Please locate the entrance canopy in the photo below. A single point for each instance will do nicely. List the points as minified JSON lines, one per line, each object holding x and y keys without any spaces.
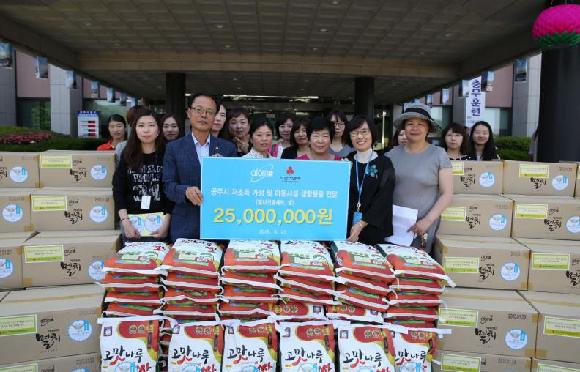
{"x":274,"y":47}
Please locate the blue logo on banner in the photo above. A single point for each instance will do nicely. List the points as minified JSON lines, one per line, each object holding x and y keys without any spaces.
{"x":274,"y":199}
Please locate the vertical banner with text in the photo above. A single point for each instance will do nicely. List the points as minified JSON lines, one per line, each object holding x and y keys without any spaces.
{"x":274,"y":199}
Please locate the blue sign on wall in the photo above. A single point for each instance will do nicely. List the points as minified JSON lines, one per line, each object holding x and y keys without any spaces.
{"x":274,"y":199}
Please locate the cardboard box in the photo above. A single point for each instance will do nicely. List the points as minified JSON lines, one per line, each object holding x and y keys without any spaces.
{"x":17,"y":235}
{"x":488,"y":321}
{"x":548,"y":217}
{"x":554,"y":265}
{"x":558,"y":327}
{"x":89,"y":233}
{"x":11,"y":263}
{"x":455,"y":361}
{"x":553,"y":366}
{"x":3,"y":294}
{"x":19,"y":169}
{"x":72,"y":209}
{"x":64,"y":261}
{"x":75,"y":363}
{"x":477,"y":177}
{"x":479,"y":215}
{"x":50,"y":323}
{"x":15,"y":208}
{"x":484,"y":265}
{"x":544,"y":179}
{"x":76,"y":168}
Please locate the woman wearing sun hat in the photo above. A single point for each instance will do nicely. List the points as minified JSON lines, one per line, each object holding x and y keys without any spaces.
{"x":424,"y":180}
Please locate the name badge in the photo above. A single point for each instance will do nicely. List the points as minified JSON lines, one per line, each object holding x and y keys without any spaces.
{"x":356,"y":217}
{"x":145,"y":201}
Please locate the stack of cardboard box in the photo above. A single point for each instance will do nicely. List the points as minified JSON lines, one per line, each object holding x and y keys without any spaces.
{"x":56,"y":230}
{"x":511,"y":250}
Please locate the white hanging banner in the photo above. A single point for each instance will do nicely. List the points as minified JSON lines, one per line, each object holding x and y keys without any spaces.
{"x":474,"y":103}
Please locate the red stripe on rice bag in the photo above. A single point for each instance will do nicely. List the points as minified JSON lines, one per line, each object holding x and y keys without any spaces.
{"x":298,"y":295}
{"x":113,"y":279}
{"x":353,"y":313}
{"x":360,"y":259}
{"x":245,"y":309}
{"x":418,"y":284}
{"x":355,"y":296}
{"x":310,"y":286}
{"x":252,"y":255}
{"x":131,"y":264}
{"x":250,"y":279}
{"x":412,"y":323}
{"x":135,"y":297}
{"x":364,"y":284}
{"x":306,"y":259}
{"x":184,"y":281}
{"x":414,"y":298}
{"x":119,"y":309}
{"x":249,"y":294}
{"x":200,"y":296}
{"x":405,"y":312}
{"x":189,"y":307}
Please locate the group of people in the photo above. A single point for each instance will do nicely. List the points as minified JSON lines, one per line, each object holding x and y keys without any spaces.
{"x":158,"y":171}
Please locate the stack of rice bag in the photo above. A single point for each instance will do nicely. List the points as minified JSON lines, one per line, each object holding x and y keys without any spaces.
{"x":417,"y":289}
{"x":193,"y":280}
{"x":132,"y":280}
{"x":364,"y":275}
{"x":306,"y":273}
{"x":250,"y":289}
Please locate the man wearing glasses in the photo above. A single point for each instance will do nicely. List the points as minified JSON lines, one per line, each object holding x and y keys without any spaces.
{"x":182,"y":165}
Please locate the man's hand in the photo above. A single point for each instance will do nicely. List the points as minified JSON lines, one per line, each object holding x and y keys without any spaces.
{"x":193,"y":194}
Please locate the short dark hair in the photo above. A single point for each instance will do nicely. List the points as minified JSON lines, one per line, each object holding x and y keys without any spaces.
{"x":192,"y":98}
{"x":237,"y":111}
{"x":459,"y":129}
{"x":259,"y":121}
{"x":282,"y":117}
{"x":299,"y":122}
{"x":320,"y":123}
{"x":117,"y":117}
{"x":339,"y":114}
{"x":357,"y":122}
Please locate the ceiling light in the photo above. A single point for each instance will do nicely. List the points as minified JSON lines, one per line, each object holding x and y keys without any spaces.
{"x":235,"y":79}
{"x":449,"y":34}
{"x":335,"y":2}
{"x":239,"y":88}
{"x":188,"y":94}
{"x":323,"y":30}
{"x":220,"y":26}
{"x":88,"y":24}
{"x":227,"y":46}
{"x":314,"y":49}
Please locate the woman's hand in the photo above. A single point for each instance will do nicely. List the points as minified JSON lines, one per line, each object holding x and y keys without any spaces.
{"x":421,"y":227}
{"x":242,"y":146}
{"x":163,"y":230}
{"x":130,"y":231}
{"x":355,"y":231}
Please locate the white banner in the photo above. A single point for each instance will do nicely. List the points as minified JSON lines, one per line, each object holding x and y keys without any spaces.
{"x":474,"y":103}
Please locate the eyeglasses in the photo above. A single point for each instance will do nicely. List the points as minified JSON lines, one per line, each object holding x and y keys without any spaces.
{"x":362,"y":132}
{"x":201,"y":110}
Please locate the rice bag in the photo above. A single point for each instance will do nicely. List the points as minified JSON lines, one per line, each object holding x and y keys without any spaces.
{"x":259,"y":310}
{"x":355,"y":296}
{"x":353,"y":313}
{"x":129,"y":344}
{"x":132,"y":263}
{"x":414,"y":298}
{"x":291,"y":294}
{"x":128,"y":309}
{"x":306,"y":259}
{"x":129,"y":282}
{"x":155,"y":250}
{"x":250,"y":279}
{"x":363,"y":260}
{"x":196,"y":347}
{"x":135,"y":297}
{"x":200,"y":296}
{"x":252,"y":255}
{"x":311,"y":286}
{"x":411,"y":312}
{"x":366,"y":348}
{"x":364,"y":284}
{"x":413,"y":262}
{"x":294,"y":311}
{"x":249,"y":294}
{"x":418,"y":284}
{"x":194,"y":256}
{"x":251,"y":346}
{"x":188,"y":308}
{"x":414,"y":351}
{"x":412,"y":323}
{"x":307,"y":346}
{"x":189,"y":281}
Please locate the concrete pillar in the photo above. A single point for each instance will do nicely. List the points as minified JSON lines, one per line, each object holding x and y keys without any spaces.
{"x":8,"y":95}
{"x":175,"y":98}
{"x":64,"y":102}
{"x":364,"y":97}
{"x":526,"y":100}
{"x":559,"y":122}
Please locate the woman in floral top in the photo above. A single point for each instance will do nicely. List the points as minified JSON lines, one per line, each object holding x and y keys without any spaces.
{"x":372,"y":181}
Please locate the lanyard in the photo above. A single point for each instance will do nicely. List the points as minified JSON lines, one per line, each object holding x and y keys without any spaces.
{"x":359,"y":184}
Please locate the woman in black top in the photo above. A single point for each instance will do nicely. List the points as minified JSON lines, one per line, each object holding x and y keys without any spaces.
{"x":372,"y":181}
{"x":481,"y":142}
{"x":454,"y":141}
{"x":298,"y":139}
{"x":137,"y":187}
